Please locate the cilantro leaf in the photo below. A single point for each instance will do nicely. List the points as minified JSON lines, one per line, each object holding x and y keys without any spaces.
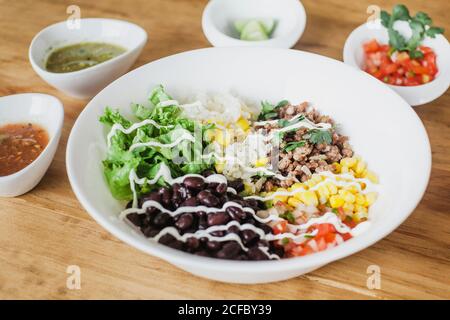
{"x":293,"y":145}
{"x":433,"y":31}
{"x":268,"y":110}
{"x":423,"y":18}
{"x":400,"y":12}
{"x":385,"y":18}
{"x":320,"y":136}
{"x":288,"y":216}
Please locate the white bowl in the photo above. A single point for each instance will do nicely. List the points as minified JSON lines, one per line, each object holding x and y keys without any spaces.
{"x":87,"y":82}
{"x":219,"y":16}
{"x":37,"y":108}
{"x":383,"y":129}
{"x":415,"y":95}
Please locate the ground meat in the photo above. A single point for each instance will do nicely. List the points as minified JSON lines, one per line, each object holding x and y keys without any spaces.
{"x":309,"y":158}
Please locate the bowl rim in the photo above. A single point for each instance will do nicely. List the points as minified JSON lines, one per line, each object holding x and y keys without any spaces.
{"x":348,"y":51}
{"x":104,"y":64}
{"x":318,"y":259}
{"x":60,"y":121}
{"x":291,"y":37}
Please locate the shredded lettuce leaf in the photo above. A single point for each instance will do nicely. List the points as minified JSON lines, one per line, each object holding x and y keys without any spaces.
{"x":146,"y":161}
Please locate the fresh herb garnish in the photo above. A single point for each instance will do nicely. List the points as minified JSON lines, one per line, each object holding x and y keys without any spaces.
{"x":421,"y":26}
{"x":282,"y":123}
{"x":288,"y":216}
{"x":317,"y":136}
{"x":308,"y":236}
{"x":294,"y":145}
{"x":269,"y":111}
{"x":285,"y":241}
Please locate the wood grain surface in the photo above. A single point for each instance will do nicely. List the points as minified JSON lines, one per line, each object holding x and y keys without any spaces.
{"x":46,"y":230}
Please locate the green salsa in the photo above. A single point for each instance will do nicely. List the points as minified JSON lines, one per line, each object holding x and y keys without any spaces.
{"x":81,"y":56}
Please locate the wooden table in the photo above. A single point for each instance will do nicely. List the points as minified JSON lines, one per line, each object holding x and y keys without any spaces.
{"x":46,"y":230}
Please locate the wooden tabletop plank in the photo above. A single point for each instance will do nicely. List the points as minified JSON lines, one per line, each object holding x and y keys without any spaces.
{"x":46,"y":230}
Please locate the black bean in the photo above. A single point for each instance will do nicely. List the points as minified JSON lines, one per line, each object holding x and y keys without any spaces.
{"x":236,"y":213}
{"x":176,"y":244}
{"x":162,"y":219}
{"x":265,"y":228}
{"x":135,"y":218}
{"x":256,"y":254}
{"x":150,"y":231}
{"x":166,"y":239}
{"x":237,"y":185}
{"x":214,"y":245}
{"x":194,"y":182}
{"x":229,"y":250}
{"x":252,"y":203}
{"x":192,"y":243}
{"x":234,"y":229}
{"x":262,"y":243}
{"x":166,"y":197}
{"x":184,"y":221}
{"x":212,"y":186}
{"x":147,"y":219}
{"x":190,"y":202}
{"x":222,"y":188}
{"x":129,"y":204}
{"x":241,"y":257}
{"x":207,"y":173}
{"x":219,"y":233}
{"x":210,"y":201}
{"x":155,"y":196}
{"x":248,"y":236}
{"x":203,"y":194}
{"x":218,"y":218}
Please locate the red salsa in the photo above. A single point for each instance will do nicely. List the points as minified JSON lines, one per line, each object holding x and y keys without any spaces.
{"x":20,"y":145}
{"x":398,"y":68}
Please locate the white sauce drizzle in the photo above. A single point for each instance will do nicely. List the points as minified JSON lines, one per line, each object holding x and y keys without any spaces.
{"x":185,"y":136}
{"x":118,"y":127}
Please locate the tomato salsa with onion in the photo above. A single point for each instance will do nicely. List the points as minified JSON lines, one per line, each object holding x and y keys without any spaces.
{"x":398,"y":68}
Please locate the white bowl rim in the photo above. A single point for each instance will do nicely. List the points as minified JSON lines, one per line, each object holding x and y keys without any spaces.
{"x":295,"y":33}
{"x":315,"y":260}
{"x":95,"y":67}
{"x":58,"y":104}
{"x":350,"y":61}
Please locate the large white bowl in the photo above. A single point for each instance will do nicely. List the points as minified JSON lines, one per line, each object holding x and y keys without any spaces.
{"x":87,"y":82}
{"x":415,"y":95}
{"x":382,"y":126}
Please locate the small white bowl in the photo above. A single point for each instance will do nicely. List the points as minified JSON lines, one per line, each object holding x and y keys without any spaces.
{"x":86,"y":83}
{"x":36,"y":108}
{"x":415,"y":95}
{"x":219,"y":16}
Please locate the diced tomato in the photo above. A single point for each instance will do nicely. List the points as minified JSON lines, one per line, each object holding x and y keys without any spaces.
{"x":371,"y":46}
{"x":324,"y":229}
{"x":321,"y":244}
{"x":398,"y":68}
{"x":346,"y":236}
{"x":280,"y":227}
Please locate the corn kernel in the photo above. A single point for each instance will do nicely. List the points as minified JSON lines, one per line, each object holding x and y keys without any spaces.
{"x":248,"y":188}
{"x":360,"y":199}
{"x":349,"y":197}
{"x":371,"y":197}
{"x":296,"y":186}
{"x":332,"y":188}
{"x":309,"y":198}
{"x":323,"y":193}
{"x":352,"y":188}
{"x":243,"y":123}
{"x":261,"y":162}
{"x":371,"y":176}
{"x":337,"y":167}
{"x":223,"y":137}
{"x":360,"y":166}
{"x":348,"y":162}
{"x":281,"y":198}
{"x":219,"y":166}
{"x":293,"y":202}
{"x":336,"y":201}
{"x":348,"y":207}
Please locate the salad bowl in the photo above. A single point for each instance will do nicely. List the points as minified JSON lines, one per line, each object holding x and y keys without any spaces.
{"x":382,"y":126}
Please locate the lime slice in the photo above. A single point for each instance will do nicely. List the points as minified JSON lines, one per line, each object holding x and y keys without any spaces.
{"x":240,"y":24}
{"x":254,"y":31}
{"x":268,"y":24}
